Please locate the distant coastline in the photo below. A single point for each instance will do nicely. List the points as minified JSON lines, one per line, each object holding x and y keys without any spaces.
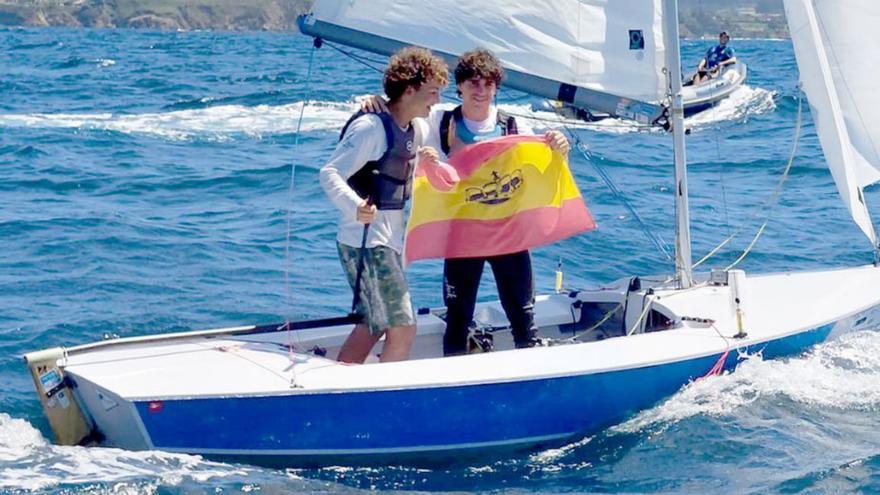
{"x":233,"y":15}
{"x":760,"y":19}
{"x":699,"y":18}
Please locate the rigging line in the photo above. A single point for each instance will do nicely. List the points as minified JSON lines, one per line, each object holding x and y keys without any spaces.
{"x":290,"y":194}
{"x":648,"y":301}
{"x":718,"y":368}
{"x":581,"y":123}
{"x":748,"y":248}
{"x":305,"y":101}
{"x":720,"y":167}
{"x":361,"y":55}
{"x":232,"y":352}
{"x":128,"y":358}
{"x":562,"y":121}
{"x":609,"y":182}
{"x":727,"y":349}
{"x":608,"y":315}
{"x":771,"y":202}
{"x":578,"y":124}
{"x":357,"y":58}
{"x":725,"y":339}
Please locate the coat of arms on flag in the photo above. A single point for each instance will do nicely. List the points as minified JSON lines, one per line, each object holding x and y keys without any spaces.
{"x":512,"y":193}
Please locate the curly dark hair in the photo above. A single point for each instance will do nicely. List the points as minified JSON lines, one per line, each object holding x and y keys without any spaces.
{"x":478,"y":63}
{"x":413,"y":66}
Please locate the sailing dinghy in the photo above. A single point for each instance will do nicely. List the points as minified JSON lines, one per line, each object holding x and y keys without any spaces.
{"x":274,"y":395}
{"x":696,"y":98}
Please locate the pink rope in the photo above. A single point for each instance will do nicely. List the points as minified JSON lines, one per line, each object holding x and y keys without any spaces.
{"x":718,"y":368}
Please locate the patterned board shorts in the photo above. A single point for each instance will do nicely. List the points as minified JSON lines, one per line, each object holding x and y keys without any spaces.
{"x":384,"y":300}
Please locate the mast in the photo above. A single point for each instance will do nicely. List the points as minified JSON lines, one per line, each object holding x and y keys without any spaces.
{"x":683,"y":268}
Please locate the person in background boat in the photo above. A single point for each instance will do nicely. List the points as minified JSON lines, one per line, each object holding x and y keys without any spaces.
{"x":716,"y":58}
{"x":478,"y":74}
{"x":368,"y":178}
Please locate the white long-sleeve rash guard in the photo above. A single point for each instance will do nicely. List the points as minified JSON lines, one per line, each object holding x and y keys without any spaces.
{"x":364,"y":141}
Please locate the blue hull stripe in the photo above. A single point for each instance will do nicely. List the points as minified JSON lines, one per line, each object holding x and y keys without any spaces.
{"x":434,"y":418}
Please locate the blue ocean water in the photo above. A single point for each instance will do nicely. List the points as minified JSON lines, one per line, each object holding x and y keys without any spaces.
{"x":146,"y":187}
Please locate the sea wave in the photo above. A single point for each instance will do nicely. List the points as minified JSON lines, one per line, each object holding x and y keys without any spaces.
{"x":742,"y":103}
{"x":29,"y":462}
{"x":218,"y":121}
{"x":841,"y":374}
{"x":212,"y":123}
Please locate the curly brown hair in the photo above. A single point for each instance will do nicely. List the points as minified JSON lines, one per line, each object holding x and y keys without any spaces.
{"x":413,"y":66}
{"x":479,"y":63}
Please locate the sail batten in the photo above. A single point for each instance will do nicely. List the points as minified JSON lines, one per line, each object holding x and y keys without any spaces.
{"x":605,"y":56}
{"x":838,"y":75}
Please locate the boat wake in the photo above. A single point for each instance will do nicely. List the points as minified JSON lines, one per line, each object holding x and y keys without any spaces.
{"x":227,"y":121}
{"x":29,"y":462}
{"x":841,"y":374}
{"x":741,"y":104}
{"x":213,"y":123}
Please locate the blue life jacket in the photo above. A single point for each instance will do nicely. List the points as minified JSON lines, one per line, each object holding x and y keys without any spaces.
{"x":718,"y":54}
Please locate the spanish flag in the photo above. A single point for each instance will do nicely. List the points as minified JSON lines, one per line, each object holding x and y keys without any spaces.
{"x":512,"y":193}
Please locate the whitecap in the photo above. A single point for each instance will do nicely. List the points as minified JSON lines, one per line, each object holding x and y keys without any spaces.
{"x":745,"y":101}
{"x":222,"y":122}
{"x":551,"y":456}
{"x":840,"y":374}
{"x":29,"y":462}
{"x":216,"y":123}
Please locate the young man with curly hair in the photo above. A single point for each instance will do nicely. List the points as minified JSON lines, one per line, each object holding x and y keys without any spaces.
{"x":478,"y":74}
{"x":368,"y":178}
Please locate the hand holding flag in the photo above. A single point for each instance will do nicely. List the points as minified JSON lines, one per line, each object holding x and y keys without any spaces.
{"x":441,"y":175}
{"x":494,"y":197}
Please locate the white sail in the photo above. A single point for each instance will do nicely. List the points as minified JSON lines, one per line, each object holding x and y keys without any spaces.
{"x":839,"y":73}
{"x":613,"y":48}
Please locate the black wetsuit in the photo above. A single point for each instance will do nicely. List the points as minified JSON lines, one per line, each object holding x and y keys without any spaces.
{"x":461,"y":278}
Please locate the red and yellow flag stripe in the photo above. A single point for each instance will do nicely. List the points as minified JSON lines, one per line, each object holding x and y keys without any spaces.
{"x":515,"y":193}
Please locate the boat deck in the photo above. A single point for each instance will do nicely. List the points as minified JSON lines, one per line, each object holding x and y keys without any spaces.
{"x":283,"y":362}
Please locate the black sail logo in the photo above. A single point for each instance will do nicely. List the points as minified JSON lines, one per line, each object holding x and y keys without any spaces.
{"x":498,"y":190}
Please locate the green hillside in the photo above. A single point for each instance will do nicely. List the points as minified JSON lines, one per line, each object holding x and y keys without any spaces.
{"x":155,"y":14}
{"x":699,"y":18}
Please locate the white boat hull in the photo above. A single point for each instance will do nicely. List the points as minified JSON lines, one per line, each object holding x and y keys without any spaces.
{"x":709,"y":93}
{"x":248,"y":396}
